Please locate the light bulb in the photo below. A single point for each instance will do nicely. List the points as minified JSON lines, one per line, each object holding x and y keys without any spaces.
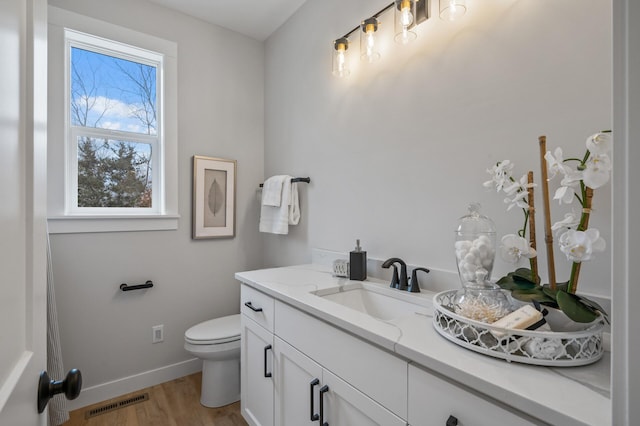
{"x":370,"y":43}
{"x":340,"y":66}
{"x":368,"y":51}
{"x":341,"y":61}
{"x":404,"y":21}
{"x":406,"y":17}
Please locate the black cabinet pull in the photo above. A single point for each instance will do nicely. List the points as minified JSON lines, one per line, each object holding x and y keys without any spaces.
{"x":254,"y":309}
{"x":127,"y":287}
{"x":323,"y":390}
{"x":266,"y":373}
{"x":313,"y":416}
{"x":452,"y":421}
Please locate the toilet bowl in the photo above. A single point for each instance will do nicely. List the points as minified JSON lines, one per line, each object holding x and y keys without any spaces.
{"x":217,"y":343}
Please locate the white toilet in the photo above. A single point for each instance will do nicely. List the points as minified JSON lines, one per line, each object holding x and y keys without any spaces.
{"x":217,"y":343}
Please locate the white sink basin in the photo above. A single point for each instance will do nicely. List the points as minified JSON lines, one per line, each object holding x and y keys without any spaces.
{"x":378,"y":301}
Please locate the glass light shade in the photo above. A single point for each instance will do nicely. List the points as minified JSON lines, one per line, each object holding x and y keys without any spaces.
{"x":368,"y":40}
{"x":450,"y":10}
{"x":405,"y":17}
{"x":340,"y":65}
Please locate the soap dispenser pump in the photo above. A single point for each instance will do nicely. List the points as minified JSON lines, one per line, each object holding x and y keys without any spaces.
{"x":358,"y":263}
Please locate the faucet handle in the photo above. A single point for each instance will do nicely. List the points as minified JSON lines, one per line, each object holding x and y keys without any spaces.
{"x":414,"y":285}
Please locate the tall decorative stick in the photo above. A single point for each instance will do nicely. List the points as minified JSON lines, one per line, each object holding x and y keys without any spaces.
{"x":548,"y":235}
{"x":532,"y":226}
{"x":584,"y":224}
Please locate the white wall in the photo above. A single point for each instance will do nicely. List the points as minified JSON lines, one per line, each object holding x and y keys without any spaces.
{"x":107,"y":333}
{"x":397,"y":150}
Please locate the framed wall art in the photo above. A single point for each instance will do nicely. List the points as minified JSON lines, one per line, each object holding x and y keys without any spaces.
{"x":214,"y":197}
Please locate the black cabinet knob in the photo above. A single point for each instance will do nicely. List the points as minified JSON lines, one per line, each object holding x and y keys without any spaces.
{"x":452,"y":421}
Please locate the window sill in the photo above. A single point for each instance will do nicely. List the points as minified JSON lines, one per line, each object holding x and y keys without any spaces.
{"x":86,"y":224}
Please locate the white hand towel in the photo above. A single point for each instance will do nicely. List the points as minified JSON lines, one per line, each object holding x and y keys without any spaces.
{"x":272,"y":190}
{"x":294,"y":205}
{"x":276,"y":220}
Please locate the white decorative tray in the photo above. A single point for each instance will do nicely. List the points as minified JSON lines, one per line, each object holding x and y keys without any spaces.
{"x":570,"y":344}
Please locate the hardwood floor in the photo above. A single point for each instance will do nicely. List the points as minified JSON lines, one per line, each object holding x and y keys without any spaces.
{"x":175,"y":403}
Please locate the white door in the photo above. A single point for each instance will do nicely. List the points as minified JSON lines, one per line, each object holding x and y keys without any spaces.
{"x":23,"y":108}
{"x":297,"y":384}
{"x":256,"y":373}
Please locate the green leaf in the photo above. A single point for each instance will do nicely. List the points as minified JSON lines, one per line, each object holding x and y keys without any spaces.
{"x":593,"y":305}
{"x":525,"y":274}
{"x":509,"y":282}
{"x":574,"y":308}
{"x":528,"y":295}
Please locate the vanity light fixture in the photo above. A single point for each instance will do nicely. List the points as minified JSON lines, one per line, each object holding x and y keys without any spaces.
{"x":340,"y":66}
{"x":450,"y":10}
{"x":408,"y":14}
{"x":368,"y":48}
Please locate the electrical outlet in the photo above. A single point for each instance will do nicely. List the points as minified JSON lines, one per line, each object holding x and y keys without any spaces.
{"x":158,"y":333}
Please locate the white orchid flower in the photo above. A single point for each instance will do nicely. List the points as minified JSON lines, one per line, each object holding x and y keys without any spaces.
{"x":555,"y":163}
{"x":579,"y":246}
{"x":570,"y":183}
{"x":514,"y":248}
{"x":500,"y":175}
{"x":570,"y":220}
{"x":598,"y":171}
{"x":518,"y":201}
{"x":519,"y":191}
{"x":600,"y":143}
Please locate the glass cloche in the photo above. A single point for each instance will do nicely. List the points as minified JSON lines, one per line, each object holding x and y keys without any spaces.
{"x":479,"y":299}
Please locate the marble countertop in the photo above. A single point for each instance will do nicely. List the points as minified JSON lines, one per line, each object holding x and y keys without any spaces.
{"x":559,"y":396}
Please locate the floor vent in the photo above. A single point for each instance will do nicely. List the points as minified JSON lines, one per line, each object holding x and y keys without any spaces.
{"x":116,"y":405}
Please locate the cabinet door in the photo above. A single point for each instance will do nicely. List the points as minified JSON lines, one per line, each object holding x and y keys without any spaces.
{"x":256,"y":373}
{"x":432,"y":400}
{"x":297,"y":384}
{"x":343,"y":405}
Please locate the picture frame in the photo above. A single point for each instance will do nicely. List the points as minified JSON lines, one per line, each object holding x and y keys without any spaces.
{"x":214,"y":197}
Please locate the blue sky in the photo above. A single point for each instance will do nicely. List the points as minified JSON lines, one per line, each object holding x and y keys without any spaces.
{"x":100,"y":85}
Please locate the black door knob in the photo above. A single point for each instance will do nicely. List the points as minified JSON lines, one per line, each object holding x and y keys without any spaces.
{"x":47,"y":388}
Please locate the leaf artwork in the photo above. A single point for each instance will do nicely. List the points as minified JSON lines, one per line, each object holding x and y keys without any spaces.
{"x":216,"y":198}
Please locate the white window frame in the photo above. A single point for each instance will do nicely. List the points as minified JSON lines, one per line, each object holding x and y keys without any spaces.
{"x":68,"y":29}
{"x":75,"y":39}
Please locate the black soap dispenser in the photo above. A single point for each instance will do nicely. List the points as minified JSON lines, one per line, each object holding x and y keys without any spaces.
{"x":358,"y":263}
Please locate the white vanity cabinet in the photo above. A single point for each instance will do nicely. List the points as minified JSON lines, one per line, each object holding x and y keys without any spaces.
{"x":305,"y":367}
{"x":307,"y":393}
{"x":256,"y":357}
{"x":433,"y":401}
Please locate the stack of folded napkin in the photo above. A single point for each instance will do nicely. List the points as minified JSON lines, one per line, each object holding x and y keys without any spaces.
{"x":280,"y":205}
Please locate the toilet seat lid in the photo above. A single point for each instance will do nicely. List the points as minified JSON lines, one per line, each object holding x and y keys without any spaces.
{"x":215,"y":331}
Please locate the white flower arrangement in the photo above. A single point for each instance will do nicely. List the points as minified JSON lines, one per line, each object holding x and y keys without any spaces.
{"x":575,"y":239}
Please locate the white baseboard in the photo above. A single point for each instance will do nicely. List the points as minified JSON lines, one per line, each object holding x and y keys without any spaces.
{"x":115,"y":388}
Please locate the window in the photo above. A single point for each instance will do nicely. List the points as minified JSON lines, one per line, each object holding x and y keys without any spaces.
{"x":114,"y":131}
{"x":112,"y":127}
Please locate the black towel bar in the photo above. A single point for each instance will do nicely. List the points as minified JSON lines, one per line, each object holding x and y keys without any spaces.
{"x":126,"y":287}
{"x":299,"y":179}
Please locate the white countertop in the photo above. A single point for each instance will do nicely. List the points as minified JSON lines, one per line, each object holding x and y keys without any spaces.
{"x":559,"y":396}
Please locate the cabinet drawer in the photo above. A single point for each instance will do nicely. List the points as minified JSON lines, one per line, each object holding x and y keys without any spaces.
{"x":257,"y":306}
{"x":432,"y":400}
{"x":373,"y":371}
